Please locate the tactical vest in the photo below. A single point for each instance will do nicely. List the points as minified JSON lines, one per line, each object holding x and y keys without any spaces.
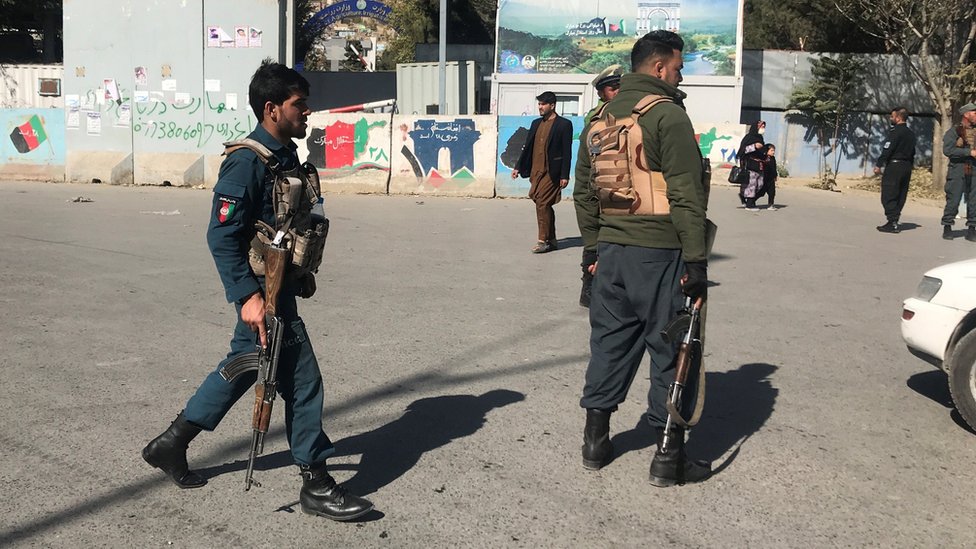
{"x":619,"y":173}
{"x":295,"y":193}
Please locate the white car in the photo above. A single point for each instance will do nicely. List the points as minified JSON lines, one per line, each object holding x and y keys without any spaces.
{"x":939,"y":325}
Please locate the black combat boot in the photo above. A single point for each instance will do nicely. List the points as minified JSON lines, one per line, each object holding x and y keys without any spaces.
{"x":674,"y":467}
{"x":889,"y":227}
{"x":321,"y":495}
{"x":586,"y":292}
{"x":971,"y":234}
{"x":597,"y":449}
{"x":947,"y":232}
{"x":168,"y":452}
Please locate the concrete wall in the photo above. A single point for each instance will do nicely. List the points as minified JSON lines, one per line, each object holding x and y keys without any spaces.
{"x":351,"y":151}
{"x":32,"y":144}
{"x":148,"y":98}
{"x":444,"y":155}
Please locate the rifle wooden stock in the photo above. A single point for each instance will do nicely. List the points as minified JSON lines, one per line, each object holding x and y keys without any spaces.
{"x":275,"y":261}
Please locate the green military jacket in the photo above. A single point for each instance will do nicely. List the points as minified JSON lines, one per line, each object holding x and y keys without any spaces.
{"x":671,"y":148}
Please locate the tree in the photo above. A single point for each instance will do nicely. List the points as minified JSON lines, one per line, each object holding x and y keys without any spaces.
{"x":827,"y":102}
{"x":42,"y":17}
{"x":805,"y":25}
{"x":935,"y":38}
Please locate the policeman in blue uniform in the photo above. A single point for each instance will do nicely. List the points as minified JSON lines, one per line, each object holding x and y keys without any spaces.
{"x":243,"y":195}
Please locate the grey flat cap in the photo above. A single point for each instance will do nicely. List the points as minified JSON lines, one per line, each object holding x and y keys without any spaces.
{"x":968,"y":107}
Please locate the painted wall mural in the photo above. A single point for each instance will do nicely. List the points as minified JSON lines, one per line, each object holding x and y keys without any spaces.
{"x":350,"y":150}
{"x":720,"y":143}
{"x":444,"y":155}
{"x":512,"y":132}
{"x":32,"y":136}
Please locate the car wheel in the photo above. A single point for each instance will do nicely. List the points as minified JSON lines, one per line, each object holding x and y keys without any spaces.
{"x":962,"y":378}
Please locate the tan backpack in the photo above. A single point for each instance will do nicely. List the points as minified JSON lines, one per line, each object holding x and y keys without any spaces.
{"x":618,"y":165}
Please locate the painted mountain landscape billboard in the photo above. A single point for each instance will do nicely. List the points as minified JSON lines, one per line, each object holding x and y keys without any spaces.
{"x":586,"y":36}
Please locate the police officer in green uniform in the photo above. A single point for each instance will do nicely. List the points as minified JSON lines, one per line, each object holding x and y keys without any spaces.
{"x":242,"y":196}
{"x":607,"y":84}
{"x":647,"y":265}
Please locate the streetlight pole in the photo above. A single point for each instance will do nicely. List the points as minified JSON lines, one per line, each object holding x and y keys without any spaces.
{"x":442,"y":59}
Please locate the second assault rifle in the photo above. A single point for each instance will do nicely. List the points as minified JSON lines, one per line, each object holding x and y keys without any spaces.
{"x":265,"y":359}
{"x":684,"y":328}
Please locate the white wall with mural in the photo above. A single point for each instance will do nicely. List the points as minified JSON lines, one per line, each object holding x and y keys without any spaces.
{"x":351,"y":151}
{"x":444,"y":155}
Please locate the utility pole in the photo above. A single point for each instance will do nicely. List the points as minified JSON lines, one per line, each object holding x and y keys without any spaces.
{"x":442,"y":59}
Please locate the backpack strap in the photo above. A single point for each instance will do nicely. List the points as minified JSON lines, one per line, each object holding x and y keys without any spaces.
{"x":598,"y":112}
{"x":267,"y":157}
{"x":647,"y":103}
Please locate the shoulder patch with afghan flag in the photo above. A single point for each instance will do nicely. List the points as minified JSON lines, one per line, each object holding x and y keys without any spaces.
{"x":225,"y":208}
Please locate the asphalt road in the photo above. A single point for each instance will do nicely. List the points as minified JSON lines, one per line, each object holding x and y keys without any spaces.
{"x":453,"y":361}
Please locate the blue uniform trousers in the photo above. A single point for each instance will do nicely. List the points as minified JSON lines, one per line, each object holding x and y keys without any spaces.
{"x":299,"y":385}
{"x":636,"y":292}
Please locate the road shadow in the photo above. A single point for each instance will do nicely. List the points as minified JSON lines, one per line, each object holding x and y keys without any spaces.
{"x":935,"y":386}
{"x":737,"y":405}
{"x":393,"y":449}
{"x":570,"y":242}
{"x":908,"y":226}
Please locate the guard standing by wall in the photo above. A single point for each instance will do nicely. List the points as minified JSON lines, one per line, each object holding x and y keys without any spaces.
{"x":607,"y":85}
{"x":897,"y":158}
{"x":545,"y":160}
{"x":959,"y":144}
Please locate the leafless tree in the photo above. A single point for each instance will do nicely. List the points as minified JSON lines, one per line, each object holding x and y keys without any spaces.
{"x":935,"y":37}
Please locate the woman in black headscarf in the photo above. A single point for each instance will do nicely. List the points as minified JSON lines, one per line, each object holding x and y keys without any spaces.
{"x":752,"y":156}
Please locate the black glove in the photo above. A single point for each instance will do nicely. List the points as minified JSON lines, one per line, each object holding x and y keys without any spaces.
{"x":695,"y":284}
{"x":589,"y":258}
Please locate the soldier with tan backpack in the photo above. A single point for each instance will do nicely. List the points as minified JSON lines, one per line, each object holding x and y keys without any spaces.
{"x":648,"y":192}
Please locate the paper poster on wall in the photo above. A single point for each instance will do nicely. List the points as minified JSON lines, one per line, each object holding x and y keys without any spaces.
{"x":71,"y":101}
{"x":100,"y":96}
{"x":240,"y":37}
{"x":254,"y":40}
{"x":211,"y":85}
{"x":140,"y":96}
{"x":94,"y":124}
{"x":231,"y":102}
{"x":124,"y":118}
{"x":74,"y":118}
{"x":226,"y":40}
{"x":181,"y":99}
{"x":169,"y":85}
{"x":142,"y":78}
{"x":112,"y":90}
{"x":213,"y":36}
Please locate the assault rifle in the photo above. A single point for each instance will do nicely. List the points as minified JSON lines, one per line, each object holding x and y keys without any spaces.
{"x":683,"y":328}
{"x":265,"y":359}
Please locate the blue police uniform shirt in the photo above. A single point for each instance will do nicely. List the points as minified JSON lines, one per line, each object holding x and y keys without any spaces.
{"x":243,"y":194}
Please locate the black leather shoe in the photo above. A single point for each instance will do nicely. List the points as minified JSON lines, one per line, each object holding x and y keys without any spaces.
{"x":971,"y":234}
{"x":597,"y":449}
{"x":673,"y":467}
{"x":947,"y":232}
{"x":889,"y":227}
{"x":168,"y":452}
{"x":321,"y":495}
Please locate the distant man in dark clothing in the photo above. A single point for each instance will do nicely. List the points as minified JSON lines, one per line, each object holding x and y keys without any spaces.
{"x":959,"y":144}
{"x":897,"y":157}
{"x":545,"y":161}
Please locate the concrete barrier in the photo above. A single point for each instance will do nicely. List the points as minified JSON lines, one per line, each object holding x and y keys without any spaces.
{"x":32,"y":146}
{"x":351,"y":151}
{"x":444,"y":155}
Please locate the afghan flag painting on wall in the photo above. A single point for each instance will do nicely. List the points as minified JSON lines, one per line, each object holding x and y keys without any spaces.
{"x":29,"y":135}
